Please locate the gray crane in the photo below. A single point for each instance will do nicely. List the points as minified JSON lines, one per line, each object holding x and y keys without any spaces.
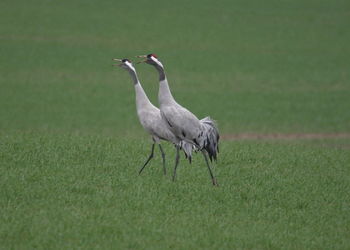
{"x":150,"y":118}
{"x":203,"y":134}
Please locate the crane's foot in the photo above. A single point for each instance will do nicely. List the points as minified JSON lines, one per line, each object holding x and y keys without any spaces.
{"x":215,"y":183}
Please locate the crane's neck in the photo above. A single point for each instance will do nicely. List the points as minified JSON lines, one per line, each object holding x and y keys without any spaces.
{"x":164,"y":95}
{"x":134,"y":77}
{"x":160,"y":72}
{"x":142,"y":100}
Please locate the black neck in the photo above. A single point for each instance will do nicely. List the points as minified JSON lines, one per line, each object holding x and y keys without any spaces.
{"x":161,"y":72}
{"x":133,"y":76}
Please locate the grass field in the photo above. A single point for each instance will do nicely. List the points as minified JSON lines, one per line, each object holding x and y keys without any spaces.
{"x":71,"y":144}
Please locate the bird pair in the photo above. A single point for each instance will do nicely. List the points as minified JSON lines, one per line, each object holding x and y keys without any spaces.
{"x":172,"y":122}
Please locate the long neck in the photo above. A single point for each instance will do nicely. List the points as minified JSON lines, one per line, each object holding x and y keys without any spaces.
{"x":142,"y":100}
{"x":134,"y":77}
{"x":160,"y":72}
{"x":164,"y":95}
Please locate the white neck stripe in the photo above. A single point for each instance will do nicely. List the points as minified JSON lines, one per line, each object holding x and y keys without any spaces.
{"x":130,"y":65}
{"x":157,"y":61}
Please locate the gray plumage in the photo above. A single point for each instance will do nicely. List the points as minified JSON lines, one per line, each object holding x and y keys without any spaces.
{"x":203,"y":134}
{"x":211,"y":137}
{"x":150,"y":117}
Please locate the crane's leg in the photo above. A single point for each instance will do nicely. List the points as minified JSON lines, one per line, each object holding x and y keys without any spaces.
{"x":163,"y":157}
{"x":149,"y":158}
{"x":215,"y":183}
{"x":176,"y":160}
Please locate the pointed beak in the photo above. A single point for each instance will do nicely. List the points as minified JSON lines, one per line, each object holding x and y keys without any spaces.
{"x":118,"y":60}
{"x":142,"y":56}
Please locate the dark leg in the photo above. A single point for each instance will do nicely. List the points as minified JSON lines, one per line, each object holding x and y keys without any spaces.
{"x":163,"y":157}
{"x":149,"y":158}
{"x":176,"y":160}
{"x":211,"y":174}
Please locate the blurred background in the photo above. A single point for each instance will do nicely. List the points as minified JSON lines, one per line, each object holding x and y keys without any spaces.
{"x":254,"y":66}
{"x":71,"y":144}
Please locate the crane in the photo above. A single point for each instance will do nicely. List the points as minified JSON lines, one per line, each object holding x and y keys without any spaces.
{"x":150,"y":118}
{"x":203,"y":134}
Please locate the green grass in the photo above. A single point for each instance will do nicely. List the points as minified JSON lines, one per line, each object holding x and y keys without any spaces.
{"x":84,"y":192}
{"x":254,"y":66}
{"x":71,"y":143}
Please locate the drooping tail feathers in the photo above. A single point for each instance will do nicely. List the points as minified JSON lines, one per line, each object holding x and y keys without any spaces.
{"x":188,"y":148}
{"x":210,"y":137}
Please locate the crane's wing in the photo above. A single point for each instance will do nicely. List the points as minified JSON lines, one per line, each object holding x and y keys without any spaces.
{"x":153,"y":123}
{"x":181,"y":122}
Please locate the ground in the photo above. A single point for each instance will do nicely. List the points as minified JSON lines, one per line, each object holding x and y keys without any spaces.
{"x":274,"y":75}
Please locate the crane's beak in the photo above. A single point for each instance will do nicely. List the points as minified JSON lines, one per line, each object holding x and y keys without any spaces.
{"x":142,"y":56}
{"x":119,"y":60}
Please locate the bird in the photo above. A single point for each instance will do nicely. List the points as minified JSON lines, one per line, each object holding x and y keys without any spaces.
{"x":203,"y":134}
{"x":150,"y":118}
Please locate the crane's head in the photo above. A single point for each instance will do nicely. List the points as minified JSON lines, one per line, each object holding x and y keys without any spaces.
{"x":125,"y":64}
{"x":151,"y":59}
